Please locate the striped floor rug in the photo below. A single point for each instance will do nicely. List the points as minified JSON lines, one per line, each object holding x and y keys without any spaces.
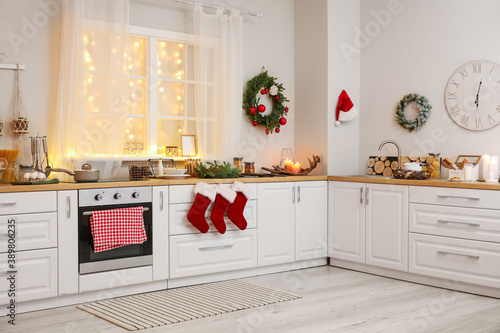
{"x":171,"y":306}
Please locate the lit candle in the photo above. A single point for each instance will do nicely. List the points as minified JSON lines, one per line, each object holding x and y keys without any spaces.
{"x":486,"y":163}
{"x":296,"y":168}
{"x":288,"y":165}
{"x":493,"y":168}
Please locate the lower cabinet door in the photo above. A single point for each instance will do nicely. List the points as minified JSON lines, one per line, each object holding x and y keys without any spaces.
{"x":36,"y":276}
{"x":198,"y":254}
{"x":457,"y":260}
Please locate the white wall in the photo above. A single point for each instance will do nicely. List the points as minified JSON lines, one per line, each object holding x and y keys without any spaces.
{"x":416,"y":52}
{"x":311,"y":80}
{"x":36,"y":47}
{"x":343,"y":74}
{"x":268,"y":41}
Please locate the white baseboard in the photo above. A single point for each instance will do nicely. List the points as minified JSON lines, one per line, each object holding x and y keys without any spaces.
{"x":415,"y":278}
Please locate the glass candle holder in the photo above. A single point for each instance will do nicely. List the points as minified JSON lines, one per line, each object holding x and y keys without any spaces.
{"x":286,"y":157}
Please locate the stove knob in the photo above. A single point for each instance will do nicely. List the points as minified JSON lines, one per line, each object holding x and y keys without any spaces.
{"x":135,"y":195}
{"x":98,"y":197}
{"x":117,"y":196}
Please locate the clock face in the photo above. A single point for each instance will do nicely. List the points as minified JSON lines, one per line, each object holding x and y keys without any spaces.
{"x":472,"y":95}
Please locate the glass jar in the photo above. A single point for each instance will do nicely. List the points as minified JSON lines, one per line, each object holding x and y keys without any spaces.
{"x":9,"y":175}
{"x":434,"y":165}
{"x":238,"y":163}
{"x":24,"y":169}
{"x":249,"y":167}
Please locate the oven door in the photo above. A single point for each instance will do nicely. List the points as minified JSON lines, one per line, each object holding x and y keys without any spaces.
{"x":134,"y":255}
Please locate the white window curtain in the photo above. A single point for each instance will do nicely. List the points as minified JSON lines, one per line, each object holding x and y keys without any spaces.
{"x":222,"y":66}
{"x":92,"y":101}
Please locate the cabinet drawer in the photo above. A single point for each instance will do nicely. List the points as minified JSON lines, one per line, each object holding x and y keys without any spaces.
{"x":28,"y":202}
{"x":455,"y":259}
{"x":33,"y":231}
{"x":455,"y":197}
{"x":36,"y":276}
{"x":180,"y":225}
{"x":468,"y":223}
{"x":199,"y":254}
{"x":184,"y":193}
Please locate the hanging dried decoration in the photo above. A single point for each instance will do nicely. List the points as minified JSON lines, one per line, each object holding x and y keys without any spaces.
{"x":20,"y":122}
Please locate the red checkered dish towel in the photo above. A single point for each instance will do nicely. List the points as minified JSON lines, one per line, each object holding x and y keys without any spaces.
{"x":114,"y":228}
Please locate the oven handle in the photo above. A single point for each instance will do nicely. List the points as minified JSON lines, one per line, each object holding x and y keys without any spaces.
{"x":89,"y":213}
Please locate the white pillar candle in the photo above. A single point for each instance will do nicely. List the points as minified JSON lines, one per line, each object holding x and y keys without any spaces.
{"x":468,"y":172}
{"x":486,"y":163}
{"x":493,"y":169}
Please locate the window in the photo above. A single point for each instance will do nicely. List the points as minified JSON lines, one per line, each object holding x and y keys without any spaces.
{"x":161,"y":91}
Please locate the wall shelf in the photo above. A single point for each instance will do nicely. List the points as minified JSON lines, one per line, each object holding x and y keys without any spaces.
{"x":11,"y":66}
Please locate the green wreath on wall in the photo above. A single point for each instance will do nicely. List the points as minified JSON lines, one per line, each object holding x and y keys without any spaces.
{"x":257,"y":87}
{"x":424,"y":111}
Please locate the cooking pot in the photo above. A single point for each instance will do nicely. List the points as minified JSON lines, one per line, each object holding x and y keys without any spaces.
{"x":85,"y":174}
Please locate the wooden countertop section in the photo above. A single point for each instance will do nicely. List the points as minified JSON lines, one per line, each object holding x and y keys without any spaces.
{"x":428,"y":182}
{"x":62,"y":186}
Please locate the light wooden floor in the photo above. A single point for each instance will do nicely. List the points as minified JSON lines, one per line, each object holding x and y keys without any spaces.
{"x":334,"y":300}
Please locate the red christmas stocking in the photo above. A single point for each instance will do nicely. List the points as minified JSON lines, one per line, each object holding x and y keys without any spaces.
{"x":235,"y":210}
{"x":225,"y":196}
{"x":204,"y":197}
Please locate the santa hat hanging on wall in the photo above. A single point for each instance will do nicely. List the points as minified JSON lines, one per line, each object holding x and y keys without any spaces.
{"x":345,"y":109}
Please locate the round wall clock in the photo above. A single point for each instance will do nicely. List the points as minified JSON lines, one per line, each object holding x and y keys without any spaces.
{"x":472,"y":95}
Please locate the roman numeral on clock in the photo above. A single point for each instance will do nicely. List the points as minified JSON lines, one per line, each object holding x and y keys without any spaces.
{"x":464,"y":74}
{"x":457,"y":85}
{"x":452,"y":95}
{"x":479,"y":123}
{"x":498,"y":108}
{"x":490,"y":118}
{"x":492,"y":68}
{"x":476,"y":68}
{"x":465,"y":120}
{"x":455,"y":110}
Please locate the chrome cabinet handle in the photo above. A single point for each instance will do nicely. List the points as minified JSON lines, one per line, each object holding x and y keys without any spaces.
{"x":293,"y":194}
{"x":458,"y":222}
{"x":7,"y":272}
{"x":361,"y":200}
{"x":457,"y":197}
{"x":161,"y":201}
{"x":215,"y":247}
{"x":68,"y":206}
{"x":459,"y":254}
{"x":298,"y":194}
{"x":7,"y":203}
{"x":367,"y":195}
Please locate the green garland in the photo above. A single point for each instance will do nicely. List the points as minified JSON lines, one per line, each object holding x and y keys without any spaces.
{"x":214,"y":170}
{"x":272,"y":121}
{"x":421,"y":103}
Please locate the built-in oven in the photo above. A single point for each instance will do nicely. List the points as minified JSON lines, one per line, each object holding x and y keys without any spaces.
{"x":128,"y":256}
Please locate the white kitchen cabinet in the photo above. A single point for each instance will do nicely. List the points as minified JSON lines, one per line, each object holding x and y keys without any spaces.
{"x":67,"y":217}
{"x":311,"y":200}
{"x":36,"y":276}
{"x":368,"y":223}
{"x":346,"y":225}
{"x":276,"y":227}
{"x":198,"y":254}
{"x":160,"y":233}
{"x":34,"y":231}
{"x":292,"y":221}
{"x":387,"y":226}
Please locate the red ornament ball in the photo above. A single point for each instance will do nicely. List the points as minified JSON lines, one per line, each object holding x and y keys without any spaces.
{"x":262,"y":108}
{"x":277,"y":97}
{"x":277,"y":130}
{"x":267,"y":131}
{"x":286,"y":109}
{"x":282,"y":121}
{"x":263,"y":91}
{"x":255,"y":123}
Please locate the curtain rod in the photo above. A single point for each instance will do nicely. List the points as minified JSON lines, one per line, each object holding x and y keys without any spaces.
{"x":217,"y":7}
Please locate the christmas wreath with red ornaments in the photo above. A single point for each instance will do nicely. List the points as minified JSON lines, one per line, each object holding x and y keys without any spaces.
{"x":260,"y":86}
